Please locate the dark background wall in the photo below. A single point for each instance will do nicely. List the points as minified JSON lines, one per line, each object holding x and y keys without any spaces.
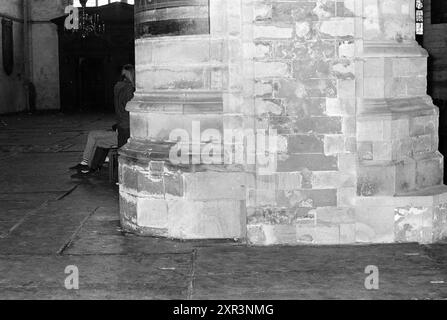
{"x":90,"y":67}
{"x":435,"y":41}
{"x":12,"y":92}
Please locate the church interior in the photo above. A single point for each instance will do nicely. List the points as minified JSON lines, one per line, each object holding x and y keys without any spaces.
{"x":356,"y":91}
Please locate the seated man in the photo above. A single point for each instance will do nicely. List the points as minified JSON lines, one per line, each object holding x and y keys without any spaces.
{"x":98,"y":139}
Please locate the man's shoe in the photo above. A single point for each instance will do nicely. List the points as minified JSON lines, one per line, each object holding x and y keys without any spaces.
{"x":80,"y":167}
{"x":82,"y":174}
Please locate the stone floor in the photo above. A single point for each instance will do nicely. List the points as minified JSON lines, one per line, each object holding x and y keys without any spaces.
{"x":48,"y":222}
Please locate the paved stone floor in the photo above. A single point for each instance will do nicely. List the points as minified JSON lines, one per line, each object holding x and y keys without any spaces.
{"x":48,"y":222}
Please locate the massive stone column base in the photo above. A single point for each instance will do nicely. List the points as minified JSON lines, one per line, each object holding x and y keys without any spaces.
{"x":209,"y":202}
{"x":181,"y":202}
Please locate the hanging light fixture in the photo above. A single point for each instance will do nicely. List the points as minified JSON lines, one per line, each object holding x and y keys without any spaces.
{"x":89,"y":24}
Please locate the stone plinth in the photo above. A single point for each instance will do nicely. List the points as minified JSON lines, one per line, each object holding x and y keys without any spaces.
{"x":343,"y":86}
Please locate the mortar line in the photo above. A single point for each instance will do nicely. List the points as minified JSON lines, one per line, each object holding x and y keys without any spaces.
{"x":66,"y":194}
{"x":192,"y":275}
{"x":29,"y":213}
{"x":76,"y":232}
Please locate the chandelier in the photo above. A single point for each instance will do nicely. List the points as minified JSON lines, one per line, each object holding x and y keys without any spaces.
{"x":89,"y":24}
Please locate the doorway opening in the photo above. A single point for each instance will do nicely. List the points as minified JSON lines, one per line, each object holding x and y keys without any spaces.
{"x":89,"y":67}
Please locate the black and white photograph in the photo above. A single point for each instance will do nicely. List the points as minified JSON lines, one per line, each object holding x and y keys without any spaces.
{"x":222,"y":158}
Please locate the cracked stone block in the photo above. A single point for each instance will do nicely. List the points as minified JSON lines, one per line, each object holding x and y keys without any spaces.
{"x":408,"y":225}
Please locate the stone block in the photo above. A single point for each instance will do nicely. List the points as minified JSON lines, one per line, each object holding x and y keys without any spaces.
{"x":269,"y":107}
{"x":387,"y":179}
{"x":152,"y":213}
{"x":289,"y":12}
{"x":327,"y":235}
{"x":422,"y":144}
{"x":262,"y":11}
{"x":345,"y":8}
{"x":374,"y":68}
{"x":409,"y":67}
{"x":150,"y":185}
{"x":173,"y":78}
{"x":214,"y":185}
{"x":346,"y":197}
{"x":306,"y":198}
{"x":223,"y":219}
{"x":375,"y":224}
{"x":346,"y":49}
{"x":173,"y":184}
{"x":304,"y":107}
{"x":340,"y":107}
{"x":334,"y":216}
{"x":288,"y":180}
{"x":143,"y":53}
{"x":271,"y":69}
{"x":408,"y":225}
{"x":128,"y":209}
{"x":406,"y":176}
{"x":396,"y":88}
{"x":343,"y":69}
{"x":309,"y":126}
{"x":256,"y":235}
{"x":261,"y":197}
{"x":129,"y":177}
{"x":374,"y":87}
{"x":264,"y":235}
{"x":311,"y":69}
{"x":281,"y":234}
{"x":303,"y":29}
{"x":347,"y":163}
{"x":425,"y":125}
{"x":382,"y":150}
{"x":138,"y":126}
{"x":263,"y":89}
{"x":332,"y":179}
{"x":305,"y":233}
{"x":365,"y":150}
{"x":334,"y":144}
{"x":429,"y":170}
{"x":338,"y":28}
{"x":440,"y":222}
{"x":346,"y":88}
{"x":305,"y":144}
{"x":416,"y":86}
{"x":271,"y":32}
{"x":179,"y":52}
{"x":313,"y":162}
{"x":274,"y":215}
{"x":370,"y":130}
{"x":347,"y":233}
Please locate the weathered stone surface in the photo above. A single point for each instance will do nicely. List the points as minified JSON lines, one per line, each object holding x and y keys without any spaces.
{"x":352,"y":118}
{"x":409,"y":224}
{"x":375,"y":225}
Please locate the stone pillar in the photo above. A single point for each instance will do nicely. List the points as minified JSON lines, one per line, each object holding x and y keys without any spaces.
{"x":400,"y":169}
{"x":184,"y":67}
{"x":341,"y":83}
